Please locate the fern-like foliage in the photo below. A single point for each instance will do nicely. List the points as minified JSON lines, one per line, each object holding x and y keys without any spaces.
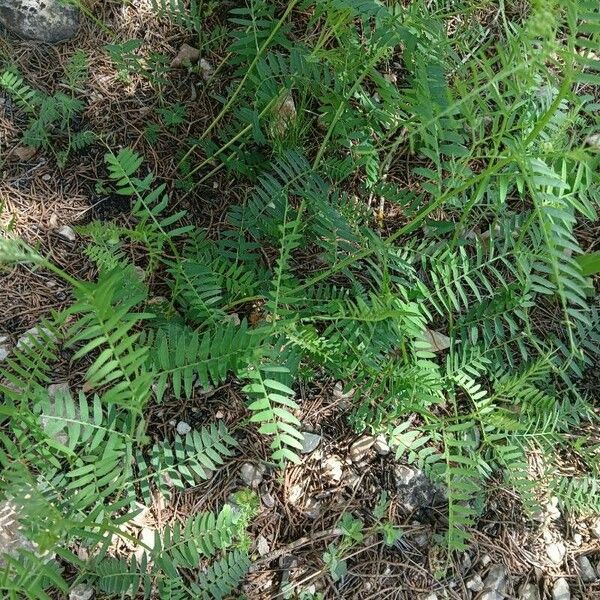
{"x":107,"y":323}
{"x":202,"y":536}
{"x":155,"y":228}
{"x":51,"y":117}
{"x":273,"y":408}
{"x":178,"y":550}
{"x":187,"y":460}
{"x":223,"y":576}
{"x":185,"y":14}
{"x":182,"y":356}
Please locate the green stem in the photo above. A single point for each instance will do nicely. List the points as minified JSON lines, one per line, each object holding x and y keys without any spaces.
{"x":242,"y":82}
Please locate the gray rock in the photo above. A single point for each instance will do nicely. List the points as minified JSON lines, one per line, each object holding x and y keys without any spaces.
{"x":495,"y":583}
{"x":341,"y":397}
{"x":548,"y":512}
{"x":548,"y":536}
{"x":421,"y":538}
{"x":352,"y":479}
{"x":142,"y":513}
{"x":529,"y":591}
{"x":285,"y":114}
{"x":4,"y":347}
{"x":11,"y":538}
{"x":492,"y":595}
{"x":268,"y":500}
{"x":147,"y":537}
{"x":414,"y":488}
{"x":34,"y":335}
{"x":333,"y":468}
{"x":252,"y":475}
{"x":586,"y":570}
{"x":295,"y":493}
{"x":556,"y":552}
{"x":66,"y":233}
{"x":183,"y":428}
{"x":595,"y":529}
{"x":436,"y":340}
{"x":560,"y":590}
{"x":207,"y":69}
{"x":475,"y":583}
{"x":47,"y":21}
{"x":312,"y":508}
{"x":359,"y":450}
{"x":381,"y":446}
{"x":593,"y":140}
{"x":81,"y":592}
{"x":485,"y":560}
{"x":262,"y":545}
{"x":310,"y":442}
{"x":552,"y":509}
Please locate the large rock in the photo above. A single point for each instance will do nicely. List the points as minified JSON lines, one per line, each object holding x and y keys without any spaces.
{"x":414,"y":489}
{"x":43,"y":20}
{"x":495,"y":584}
{"x":12,"y":539}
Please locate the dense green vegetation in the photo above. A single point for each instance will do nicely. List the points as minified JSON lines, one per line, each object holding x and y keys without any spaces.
{"x":411,"y":230}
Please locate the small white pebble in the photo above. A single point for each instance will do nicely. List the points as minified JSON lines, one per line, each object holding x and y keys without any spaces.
{"x":475,"y":584}
{"x":485,"y":560}
{"x":381,"y":446}
{"x":262,"y":545}
{"x":556,"y":552}
{"x":183,"y":428}
{"x":560,"y":590}
{"x":4,"y":347}
{"x":66,"y":233}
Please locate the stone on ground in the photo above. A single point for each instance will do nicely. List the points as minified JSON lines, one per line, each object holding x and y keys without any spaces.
{"x":4,"y":347}
{"x":359,"y":451}
{"x":310,"y":442}
{"x":66,"y":233}
{"x":556,"y":552}
{"x":12,"y":540}
{"x":475,"y":584}
{"x":81,"y":592}
{"x":252,"y":475}
{"x":333,"y":468}
{"x":586,"y":570}
{"x":529,"y":591}
{"x":561,"y":590}
{"x":183,"y":428}
{"x":381,"y":446}
{"x":34,"y":336}
{"x":47,"y":21}
{"x":495,"y":583}
{"x":415,"y":490}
